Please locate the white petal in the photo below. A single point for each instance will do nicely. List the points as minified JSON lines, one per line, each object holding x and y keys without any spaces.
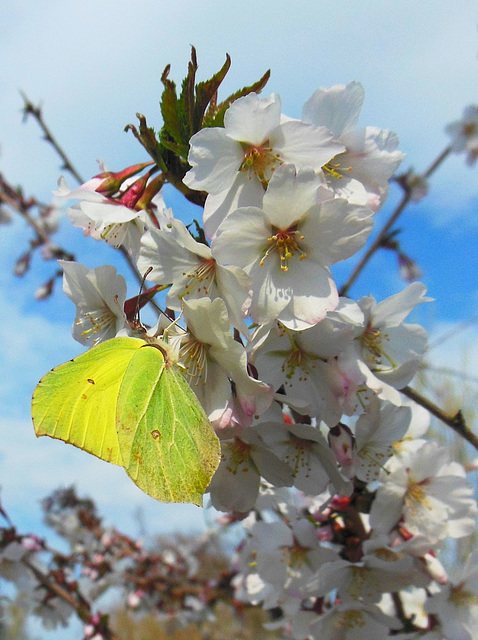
{"x":337,"y":108}
{"x":335,"y":230}
{"x":393,"y":310}
{"x":251,"y":119}
{"x":215,"y":159}
{"x":304,"y":145}
{"x":289,"y":195}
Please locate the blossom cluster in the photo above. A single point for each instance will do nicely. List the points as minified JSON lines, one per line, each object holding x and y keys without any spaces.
{"x":345,"y":504}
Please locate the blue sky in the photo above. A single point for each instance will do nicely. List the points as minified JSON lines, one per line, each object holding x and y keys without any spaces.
{"x":94,"y":65}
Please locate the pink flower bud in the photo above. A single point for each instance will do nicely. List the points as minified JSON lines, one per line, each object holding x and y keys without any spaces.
{"x":342,"y":443}
{"x":113,"y":180}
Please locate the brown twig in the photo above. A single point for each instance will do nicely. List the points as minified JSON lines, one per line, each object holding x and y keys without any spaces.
{"x":78,"y":603}
{"x":377,"y":243}
{"x":35,"y":111}
{"x":11,"y":197}
{"x":456,"y":422}
{"x":30,"y":109}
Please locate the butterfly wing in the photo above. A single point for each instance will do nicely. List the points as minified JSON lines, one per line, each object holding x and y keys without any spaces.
{"x":76,"y":401}
{"x":168,"y":446}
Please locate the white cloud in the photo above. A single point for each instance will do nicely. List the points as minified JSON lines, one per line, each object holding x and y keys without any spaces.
{"x":31,"y":468}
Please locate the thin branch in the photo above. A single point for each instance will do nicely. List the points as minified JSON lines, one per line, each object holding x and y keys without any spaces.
{"x":453,"y":331}
{"x":15,"y":201}
{"x":456,"y":422}
{"x":35,"y":111}
{"x":407,"y":196}
{"x":452,"y":372}
{"x":79,"y":604}
{"x":82,"y":610}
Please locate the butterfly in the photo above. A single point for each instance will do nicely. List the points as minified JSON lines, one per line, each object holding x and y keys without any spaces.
{"x":127,"y":401}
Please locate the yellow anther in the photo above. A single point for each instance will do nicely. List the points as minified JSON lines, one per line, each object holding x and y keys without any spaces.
{"x":334,"y":169}
{"x":285,"y":242}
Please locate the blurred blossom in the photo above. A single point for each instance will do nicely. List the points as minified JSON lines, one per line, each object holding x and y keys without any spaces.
{"x":464,"y":134}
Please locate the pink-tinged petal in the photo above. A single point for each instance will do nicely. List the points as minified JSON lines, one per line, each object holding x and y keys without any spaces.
{"x":215,"y":159}
{"x":251,"y":119}
{"x":315,"y":293}
{"x":335,"y":230}
{"x":337,"y":108}
{"x":85,"y":192}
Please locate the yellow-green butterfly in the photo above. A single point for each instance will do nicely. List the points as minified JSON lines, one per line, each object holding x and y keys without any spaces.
{"x":127,"y":402}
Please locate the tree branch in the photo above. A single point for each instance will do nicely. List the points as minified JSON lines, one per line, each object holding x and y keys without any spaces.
{"x":35,"y":111}
{"x":377,"y":243}
{"x":30,"y":109}
{"x":456,"y":422}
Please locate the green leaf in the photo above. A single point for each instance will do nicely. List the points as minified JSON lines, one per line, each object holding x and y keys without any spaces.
{"x":215,"y":115}
{"x":205,"y":92}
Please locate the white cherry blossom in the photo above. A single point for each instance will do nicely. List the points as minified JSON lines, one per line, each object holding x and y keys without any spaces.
{"x":176,"y":258}
{"x":456,"y":604}
{"x":235,"y":485}
{"x":213,"y":359}
{"x":464,"y":134}
{"x":102,"y":218}
{"x":242,"y":156}
{"x":386,"y":352}
{"x":428,"y":494}
{"x":361,"y":173}
{"x":99,"y":295}
{"x":287,"y":246}
{"x":304,"y":362}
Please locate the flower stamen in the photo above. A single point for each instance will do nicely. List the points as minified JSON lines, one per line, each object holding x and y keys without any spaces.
{"x":193,"y":355}
{"x":373,"y":341}
{"x":200,"y":279}
{"x":285,"y":242}
{"x":261,"y":161}
{"x":335,"y":170}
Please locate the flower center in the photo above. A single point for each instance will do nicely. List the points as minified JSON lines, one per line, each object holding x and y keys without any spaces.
{"x":469,"y":129}
{"x":334,"y":169}
{"x":416,"y":496}
{"x":460,"y":597}
{"x":193,"y":355}
{"x":285,"y":243}
{"x":200,"y":280}
{"x":95,"y":321}
{"x":373,"y":341}
{"x":261,"y":161}
{"x":114,"y":234}
{"x":295,"y":358}
{"x":351,"y":619}
{"x":240,"y":452}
